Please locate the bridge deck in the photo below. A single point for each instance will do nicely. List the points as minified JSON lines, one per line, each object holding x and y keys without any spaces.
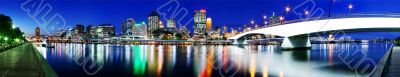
{"x":394,"y":66}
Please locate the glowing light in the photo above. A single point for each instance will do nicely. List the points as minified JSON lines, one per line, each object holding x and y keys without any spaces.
{"x":6,"y":38}
{"x":281,"y":18}
{"x":252,"y":22}
{"x":287,"y":9}
{"x":306,"y":12}
{"x":14,"y":26}
{"x":350,"y":6}
{"x":203,"y":11}
{"x":265,"y":17}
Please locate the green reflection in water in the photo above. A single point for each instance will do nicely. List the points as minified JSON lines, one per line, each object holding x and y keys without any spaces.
{"x":139,"y":65}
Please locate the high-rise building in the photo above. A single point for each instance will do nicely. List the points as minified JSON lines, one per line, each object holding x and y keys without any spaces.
{"x":200,"y":23}
{"x":124,"y":28}
{"x":208,"y":24}
{"x":171,"y":24}
{"x":128,"y":26}
{"x":153,"y":23}
{"x":37,"y":33}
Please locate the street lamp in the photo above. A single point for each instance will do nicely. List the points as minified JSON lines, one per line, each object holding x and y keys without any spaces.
{"x":6,"y":38}
{"x":281,"y":18}
{"x":252,"y":21}
{"x":287,"y":9}
{"x":265,"y":17}
{"x":13,"y":26}
{"x":350,"y":6}
{"x":306,"y":12}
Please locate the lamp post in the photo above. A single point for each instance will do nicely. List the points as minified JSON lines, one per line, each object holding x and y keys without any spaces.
{"x":265,"y":20}
{"x":281,"y":19}
{"x":306,"y":12}
{"x":287,"y":9}
{"x":350,"y":7}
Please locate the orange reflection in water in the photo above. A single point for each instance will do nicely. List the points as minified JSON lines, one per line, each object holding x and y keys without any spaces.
{"x":330,"y":53}
{"x":209,"y":62}
{"x":252,"y":66}
{"x":160,"y":61}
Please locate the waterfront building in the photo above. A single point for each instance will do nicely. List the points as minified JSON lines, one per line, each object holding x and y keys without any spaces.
{"x":37,"y":34}
{"x":128,"y":26}
{"x":199,"y":24}
{"x":78,"y":30}
{"x":153,"y":23}
{"x":92,"y":31}
{"x":105,"y":30}
{"x":171,"y":24}
{"x":139,"y":30}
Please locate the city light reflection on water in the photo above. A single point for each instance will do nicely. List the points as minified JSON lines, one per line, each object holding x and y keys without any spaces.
{"x":69,"y":60}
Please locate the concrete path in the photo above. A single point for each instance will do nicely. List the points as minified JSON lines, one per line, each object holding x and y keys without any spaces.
{"x":19,"y":62}
{"x":394,"y":66}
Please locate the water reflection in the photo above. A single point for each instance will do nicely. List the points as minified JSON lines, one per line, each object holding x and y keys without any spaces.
{"x":208,"y":60}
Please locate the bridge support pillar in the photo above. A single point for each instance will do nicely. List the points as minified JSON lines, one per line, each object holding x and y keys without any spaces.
{"x":296,"y":42}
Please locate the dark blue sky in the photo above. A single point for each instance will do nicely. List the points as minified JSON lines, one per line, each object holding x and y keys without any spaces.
{"x":233,"y":13}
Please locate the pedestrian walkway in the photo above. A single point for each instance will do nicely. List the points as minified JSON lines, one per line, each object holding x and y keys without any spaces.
{"x":20,"y":61}
{"x":394,"y":66}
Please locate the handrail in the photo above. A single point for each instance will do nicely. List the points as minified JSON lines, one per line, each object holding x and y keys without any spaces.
{"x":382,"y":68}
{"x":45,"y":69}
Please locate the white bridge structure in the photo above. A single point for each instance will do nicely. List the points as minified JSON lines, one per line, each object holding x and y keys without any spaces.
{"x":296,"y":35}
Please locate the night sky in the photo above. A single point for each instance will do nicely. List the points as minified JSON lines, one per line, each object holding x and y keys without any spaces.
{"x":233,"y":13}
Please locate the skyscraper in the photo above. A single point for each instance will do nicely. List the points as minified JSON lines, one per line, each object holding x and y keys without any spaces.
{"x":171,"y":23}
{"x":208,"y":24}
{"x":199,"y":23}
{"x":127,"y":26}
{"x":153,"y":23}
{"x":131,"y":25}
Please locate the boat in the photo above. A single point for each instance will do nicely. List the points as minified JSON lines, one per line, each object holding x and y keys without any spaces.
{"x":47,"y":45}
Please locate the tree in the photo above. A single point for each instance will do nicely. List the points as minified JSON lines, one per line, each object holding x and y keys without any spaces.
{"x":7,"y":31}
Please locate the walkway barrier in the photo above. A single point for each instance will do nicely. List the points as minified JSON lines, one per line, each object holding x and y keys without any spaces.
{"x":45,"y":69}
{"x":382,"y":68}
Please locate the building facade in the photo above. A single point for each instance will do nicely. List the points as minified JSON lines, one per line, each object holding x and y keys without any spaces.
{"x":171,"y":24}
{"x":105,"y":30}
{"x":153,"y":23}
{"x":208,"y":24}
{"x":128,"y":26}
{"x":199,"y":23}
{"x":37,"y":34}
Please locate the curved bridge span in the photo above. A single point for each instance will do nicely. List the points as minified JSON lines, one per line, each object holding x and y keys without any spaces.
{"x":296,"y":34}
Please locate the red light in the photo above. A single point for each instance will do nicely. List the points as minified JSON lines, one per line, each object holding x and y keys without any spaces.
{"x":203,"y":11}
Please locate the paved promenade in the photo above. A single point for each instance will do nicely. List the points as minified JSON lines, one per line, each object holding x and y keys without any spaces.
{"x":394,"y":66}
{"x":20,"y":61}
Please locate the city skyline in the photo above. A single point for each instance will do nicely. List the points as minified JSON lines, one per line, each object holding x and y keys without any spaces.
{"x":231,"y":14}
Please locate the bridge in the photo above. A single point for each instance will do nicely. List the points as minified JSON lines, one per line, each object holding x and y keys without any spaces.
{"x":296,"y":34}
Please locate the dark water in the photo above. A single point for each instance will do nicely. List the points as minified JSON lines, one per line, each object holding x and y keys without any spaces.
{"x":327,"y":60}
